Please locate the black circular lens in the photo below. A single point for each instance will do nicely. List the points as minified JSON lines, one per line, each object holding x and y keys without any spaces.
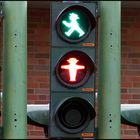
{"x":73,"y":120}
{"x":74,"y":114}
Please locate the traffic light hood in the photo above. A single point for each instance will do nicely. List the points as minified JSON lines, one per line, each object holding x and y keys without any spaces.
{"x":38,"y":114}
{"x":130,"y":114}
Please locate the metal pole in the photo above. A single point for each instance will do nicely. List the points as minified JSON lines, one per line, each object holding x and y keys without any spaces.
{"x":14,"y":70}
{"x":109,"y":70}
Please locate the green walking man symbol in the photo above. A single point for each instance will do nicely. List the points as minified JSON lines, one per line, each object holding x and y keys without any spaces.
{"x":73,"y":25}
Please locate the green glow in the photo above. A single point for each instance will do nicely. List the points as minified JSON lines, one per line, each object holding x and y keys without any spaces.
{"x":73,"y":25}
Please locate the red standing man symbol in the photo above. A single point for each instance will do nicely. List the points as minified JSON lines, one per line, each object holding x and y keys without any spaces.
{"x":73,"y":68}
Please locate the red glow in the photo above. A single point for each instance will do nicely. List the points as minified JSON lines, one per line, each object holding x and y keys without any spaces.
{"x":72,"y":67}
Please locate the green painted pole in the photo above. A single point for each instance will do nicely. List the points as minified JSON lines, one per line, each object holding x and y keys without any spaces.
{"x":14,"y":70}
{"x":109,"y":70}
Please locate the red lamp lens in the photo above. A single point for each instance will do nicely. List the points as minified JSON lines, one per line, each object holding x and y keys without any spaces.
{"x":74,"y":71}
{"x":74,"y":68}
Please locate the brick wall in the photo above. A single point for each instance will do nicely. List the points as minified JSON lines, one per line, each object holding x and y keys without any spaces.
{"x":38,"y":56}
{"x":38,"y":63}
{"x":130,"y":66}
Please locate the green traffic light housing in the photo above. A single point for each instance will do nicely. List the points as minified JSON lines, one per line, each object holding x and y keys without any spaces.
{"x":75,"y":23}
{"x":72,"y":70}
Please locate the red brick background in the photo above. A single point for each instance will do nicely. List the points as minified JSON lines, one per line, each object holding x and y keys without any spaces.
{"x":38,"y":63}
{"x":130,"y":64}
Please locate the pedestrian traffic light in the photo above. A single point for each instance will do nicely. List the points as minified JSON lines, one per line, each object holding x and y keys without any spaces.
{"x":72,"y":70}
{"x":75,"y":23}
